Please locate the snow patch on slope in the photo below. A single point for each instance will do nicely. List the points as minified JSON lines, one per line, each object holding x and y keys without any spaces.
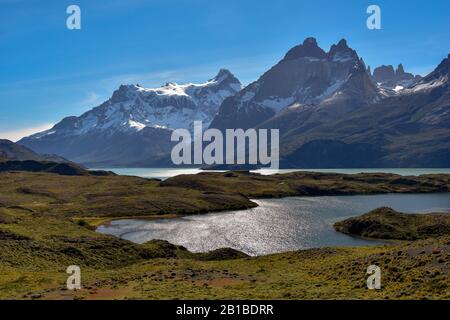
{"x":278,"y":104}
{"x":429,"y":85}
{"x":133,"y":108}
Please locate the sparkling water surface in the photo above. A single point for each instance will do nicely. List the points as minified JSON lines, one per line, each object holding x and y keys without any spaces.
{"x":277,"y":225}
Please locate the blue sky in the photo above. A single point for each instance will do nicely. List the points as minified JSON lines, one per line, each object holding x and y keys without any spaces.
{"x":48,"y":72}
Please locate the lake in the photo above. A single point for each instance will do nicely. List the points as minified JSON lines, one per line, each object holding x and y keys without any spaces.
{"x":277,"y":225}
{"x":165,"y":173}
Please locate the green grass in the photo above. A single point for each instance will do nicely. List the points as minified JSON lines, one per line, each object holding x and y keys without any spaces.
{"x":45,"y":226}
{"x":309,"y":183}
{"x":386,"y":223}
{"x":112,"y":196}
{"x":117,"y":269}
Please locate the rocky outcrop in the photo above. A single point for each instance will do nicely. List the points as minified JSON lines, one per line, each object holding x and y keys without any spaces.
{"x":386,"y":223}
{"x":385,"y":77}
{"x":307,"y":75}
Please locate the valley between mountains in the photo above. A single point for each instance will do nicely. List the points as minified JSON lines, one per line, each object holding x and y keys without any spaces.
{"x":332,"y":110}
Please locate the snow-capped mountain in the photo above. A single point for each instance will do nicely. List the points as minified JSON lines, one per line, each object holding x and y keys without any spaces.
{"x":330,"y":109}
{"x":306,"y":76}
{"x":132,"y":107}
{"x":141,"y":119}
{"x":438,"y":78}
{"x":332,"y":112}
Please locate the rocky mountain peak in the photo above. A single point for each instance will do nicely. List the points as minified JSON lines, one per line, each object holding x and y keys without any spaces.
{"x":359,"y":86}
{"x":341,"y":52}
{"x":223,"y":74}
{"x":135,"y":123}
{"x":225,"y":77}
{"x":133,"y":108}
{"x":398,"y":79}
{"x":309,"y":48}
{"x":340,"y":47}
{"x":123,"y":93}
{"x":442,"y":71}
{"x":400,"y":70}
{"x":383,"y":73}
{"x":444,"y":66}
{"x":342,"y":43}
{"x":170,"y":84}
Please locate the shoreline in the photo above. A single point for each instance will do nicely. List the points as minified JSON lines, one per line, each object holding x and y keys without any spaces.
{"x":41,"y":235}
{"x":143,"y":172}
{"x":141,"y":231}
{"x":106,"y":221}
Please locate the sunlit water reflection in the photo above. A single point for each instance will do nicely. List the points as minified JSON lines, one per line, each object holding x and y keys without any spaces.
{"x":277,"y":225}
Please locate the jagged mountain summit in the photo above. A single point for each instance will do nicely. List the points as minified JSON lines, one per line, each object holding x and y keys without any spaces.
{"x":133,"y":107}
{"x":438,"y":78}
{"x":387,"y":78}
{"x":332,"y":113}
{"x":409,"y":129}
{"x":307,"y":76}
{"x":134,"y":125}
{"x":330,"y":109}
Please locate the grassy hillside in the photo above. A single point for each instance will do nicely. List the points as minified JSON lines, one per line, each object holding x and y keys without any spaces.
{"x":111,"y":196}
{"x":36,"y":250}
{"x":122,"y":196}
{"x":45,"y":226}
{"x":386,"y":223}
{"x":309,"y":183}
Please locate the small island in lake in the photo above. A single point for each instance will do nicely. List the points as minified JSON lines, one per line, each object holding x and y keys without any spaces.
{"x":48,"y":221}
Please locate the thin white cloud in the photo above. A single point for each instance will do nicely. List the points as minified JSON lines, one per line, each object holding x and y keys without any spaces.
{"x":17,"y":134}
{"x":91,"y":100}
{"x":245,"y":69}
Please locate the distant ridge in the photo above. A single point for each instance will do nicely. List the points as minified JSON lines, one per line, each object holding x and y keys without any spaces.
{"x":14,"y":151}
{"x":65,"y":169}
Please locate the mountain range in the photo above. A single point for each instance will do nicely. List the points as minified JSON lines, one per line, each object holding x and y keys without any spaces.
{"x":331,"y":109}
{"x":133,"y":127}
{"x":410,"y":129}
